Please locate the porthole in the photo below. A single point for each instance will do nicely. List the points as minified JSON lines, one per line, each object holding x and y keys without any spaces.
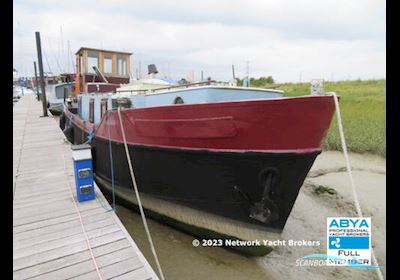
{"x":178,"y":100}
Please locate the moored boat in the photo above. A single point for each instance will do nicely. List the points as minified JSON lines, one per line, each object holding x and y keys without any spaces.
{"x":218,"y":161}
{"x":56,"y":94}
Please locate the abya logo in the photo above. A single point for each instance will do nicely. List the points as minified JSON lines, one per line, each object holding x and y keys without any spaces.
{"x":349,"y":241}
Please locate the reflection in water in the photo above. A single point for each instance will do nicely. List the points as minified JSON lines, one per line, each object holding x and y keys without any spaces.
{"x":181,"y":260}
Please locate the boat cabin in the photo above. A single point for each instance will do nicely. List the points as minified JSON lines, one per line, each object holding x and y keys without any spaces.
{"x":93,"y":106}
{"x":101,"y":70}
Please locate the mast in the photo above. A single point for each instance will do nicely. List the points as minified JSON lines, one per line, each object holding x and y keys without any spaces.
{"x":62,"y":46}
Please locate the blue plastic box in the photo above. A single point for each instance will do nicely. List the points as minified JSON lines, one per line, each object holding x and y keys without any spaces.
{"x":83,"y":170}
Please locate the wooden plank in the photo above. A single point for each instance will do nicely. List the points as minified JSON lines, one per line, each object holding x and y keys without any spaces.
{"x":35,"y":203}
{"x":50,"y":215}
{"x":30,"y":197}
{"x":55,"y":235}
{"x":68,"y":272}
{"x":56,"y":220}
{"x":71,"y":259}
{"x":69,"y":240}
{"x":139,"y":274}
{"x":44,"y":209}
{"x":49,"y":242}
{"x":113,"y":270}
{"x":121,"y":268}
{"x":64,"y":251}
{"x":41,"y":231}
{"x":88,"y":265}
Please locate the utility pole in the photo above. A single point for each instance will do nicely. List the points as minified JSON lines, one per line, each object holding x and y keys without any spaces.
{"x":201,"y":75}
{"x":233,"y":72}
{"x":36,"y":81}
{"x":39,"y":53}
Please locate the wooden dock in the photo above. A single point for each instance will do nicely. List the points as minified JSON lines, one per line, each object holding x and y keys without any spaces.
{"x":54,"y":236}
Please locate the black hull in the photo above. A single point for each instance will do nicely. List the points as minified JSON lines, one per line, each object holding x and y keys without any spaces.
{"x":55,"y":112}
{"x":254,"y":188}
{"x":202,"y":231}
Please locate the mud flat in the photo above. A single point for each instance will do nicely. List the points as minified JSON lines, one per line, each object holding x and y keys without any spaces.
{"x":327,"y":193}
{"x":181,"y":260}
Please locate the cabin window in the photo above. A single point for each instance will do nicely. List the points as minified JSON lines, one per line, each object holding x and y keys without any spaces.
{"x":121,"y":65}
{"x":91,"y":110}
{"x":103,"y":107}
{"x":93,"y":60}
{"x":108,"y":64}
{"x":60,"y":91}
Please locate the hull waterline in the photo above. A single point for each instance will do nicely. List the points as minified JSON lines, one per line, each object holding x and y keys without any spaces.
{"x":233,"y":171}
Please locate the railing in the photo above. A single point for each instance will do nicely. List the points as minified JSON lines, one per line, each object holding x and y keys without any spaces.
{"x":171,"y":87}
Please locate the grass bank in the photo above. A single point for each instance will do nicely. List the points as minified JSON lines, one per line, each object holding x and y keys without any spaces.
{"x":363,"y":109}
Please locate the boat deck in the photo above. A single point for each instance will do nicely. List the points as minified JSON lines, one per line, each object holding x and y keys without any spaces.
{"x":54,"y":236}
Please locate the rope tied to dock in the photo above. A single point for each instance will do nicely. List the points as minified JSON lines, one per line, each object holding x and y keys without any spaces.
{"x":349,"y":171}
{"x":138,"y":198}
{"x":111,"y":159}
{"x":81,"y":223}
{"x":90,"y":135}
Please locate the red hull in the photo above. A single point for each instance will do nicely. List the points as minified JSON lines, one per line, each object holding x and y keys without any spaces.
{"x":244,"y":160}
{"x":296,"y":124}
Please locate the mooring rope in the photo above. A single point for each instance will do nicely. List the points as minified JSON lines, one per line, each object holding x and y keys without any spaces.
{"x":81,"y":222}
{"x":138,"y":197}
{"x":111,"y":160}
{"x":353,"y":187}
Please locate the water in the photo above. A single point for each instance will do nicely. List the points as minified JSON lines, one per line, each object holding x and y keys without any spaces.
{"x":181,"y":260}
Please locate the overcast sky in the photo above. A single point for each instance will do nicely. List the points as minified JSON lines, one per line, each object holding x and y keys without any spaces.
{"x":291,"y":40}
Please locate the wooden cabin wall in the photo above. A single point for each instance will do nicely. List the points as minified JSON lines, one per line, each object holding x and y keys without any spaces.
{"x":128,"y":65}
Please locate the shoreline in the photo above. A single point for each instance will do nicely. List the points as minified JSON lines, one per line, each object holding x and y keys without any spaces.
{"x":308,"y":218}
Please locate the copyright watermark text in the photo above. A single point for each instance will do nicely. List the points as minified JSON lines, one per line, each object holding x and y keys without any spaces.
{"x":256,"y":242}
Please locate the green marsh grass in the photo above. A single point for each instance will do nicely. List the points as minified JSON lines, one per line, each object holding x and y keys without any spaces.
{"x":363,"y":110}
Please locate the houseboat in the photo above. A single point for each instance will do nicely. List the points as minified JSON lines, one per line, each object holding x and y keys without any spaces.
{"x":56,"y":95}
{"x":215,"y":160}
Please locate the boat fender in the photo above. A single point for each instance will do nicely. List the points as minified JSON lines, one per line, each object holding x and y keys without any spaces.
{"x":62,"y":121}
{"x":93,"y":150}
{"x":69,"y":133}
{"x":90,"y":135}
{"x":69,"y":130}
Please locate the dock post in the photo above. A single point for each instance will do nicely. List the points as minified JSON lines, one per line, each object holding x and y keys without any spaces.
{"x":36,"y":81}
{"x":65,"y":94}
{"x":39,"y":53}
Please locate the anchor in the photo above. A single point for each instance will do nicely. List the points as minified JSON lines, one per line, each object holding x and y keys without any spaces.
{"x":265,"y":211}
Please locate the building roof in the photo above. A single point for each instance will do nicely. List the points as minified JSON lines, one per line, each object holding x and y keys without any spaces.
{"x":93,"y":49}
